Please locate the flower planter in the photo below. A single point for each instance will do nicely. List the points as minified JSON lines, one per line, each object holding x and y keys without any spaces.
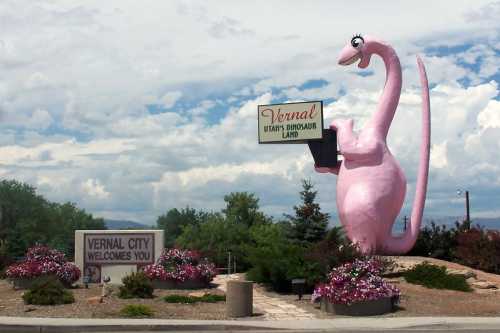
{"x":189,"y":284}
{"x":364,"y":308}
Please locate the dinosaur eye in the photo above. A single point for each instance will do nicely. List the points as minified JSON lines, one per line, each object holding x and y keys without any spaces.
{"x":357,"y":41}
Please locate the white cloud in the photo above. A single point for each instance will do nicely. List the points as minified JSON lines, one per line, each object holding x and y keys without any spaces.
{"x":95,"y":189}
{"x":77,"y":78}
{"x":438,"y":157}
{"x":169,"y":99}
{"x":489,"y":117}
{"x":40,"y":119}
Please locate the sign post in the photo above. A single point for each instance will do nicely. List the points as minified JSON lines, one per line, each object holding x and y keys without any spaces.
{"x":299,"y":123}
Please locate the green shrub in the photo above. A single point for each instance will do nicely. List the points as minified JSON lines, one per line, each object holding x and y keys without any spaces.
{"x":48,"y":291}
{"x":179,"y":299}
{"x":435,"y":277}
{"x":136,"y":285}
{"x":136,"y":311}
{"x":207,"y":298}
{"x":274,"y":259}
{"x":212,"y":298}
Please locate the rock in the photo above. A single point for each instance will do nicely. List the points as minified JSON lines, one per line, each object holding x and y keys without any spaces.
{"x":397,"y":270}
{"x":197,"y":294}
{"x":484,"y":285}
{"x":95,"y":300}
{"x":107,"y":290}
{"x":29,"y":310}
{"x":466,"y":273}
{"x":471,"y":280}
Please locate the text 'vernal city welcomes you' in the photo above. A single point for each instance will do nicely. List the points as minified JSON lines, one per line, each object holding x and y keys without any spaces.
{"x":119,"y":248}
{"x":290,"y":122}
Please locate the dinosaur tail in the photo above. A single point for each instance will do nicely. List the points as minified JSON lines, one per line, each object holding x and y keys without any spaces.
{"x":404,"y":243}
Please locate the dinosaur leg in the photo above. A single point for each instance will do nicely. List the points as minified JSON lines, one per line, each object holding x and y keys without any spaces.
{"x":360,"y":217}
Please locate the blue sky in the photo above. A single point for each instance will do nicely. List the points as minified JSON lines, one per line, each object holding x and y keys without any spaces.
{"x":131,"y":108}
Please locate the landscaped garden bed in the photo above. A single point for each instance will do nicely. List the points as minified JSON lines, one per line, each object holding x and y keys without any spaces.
{"x":417,"y":300}
{"x":12,"y":305}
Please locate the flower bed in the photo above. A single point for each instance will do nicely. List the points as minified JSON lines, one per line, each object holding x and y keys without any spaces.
{"x":180,"y":269}
{"x":42,"y":261}
{"x":357,"y":289}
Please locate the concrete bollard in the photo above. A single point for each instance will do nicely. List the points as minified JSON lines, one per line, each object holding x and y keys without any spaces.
{"x":239,"y":299}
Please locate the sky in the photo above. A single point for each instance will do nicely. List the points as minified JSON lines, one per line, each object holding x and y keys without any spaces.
{"x":131,"y":108}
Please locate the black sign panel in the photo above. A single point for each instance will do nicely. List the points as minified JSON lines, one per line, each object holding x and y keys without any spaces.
{"x":324,"y":151}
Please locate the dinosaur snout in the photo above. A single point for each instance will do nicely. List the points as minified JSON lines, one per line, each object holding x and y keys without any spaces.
{"x":349,"y":55}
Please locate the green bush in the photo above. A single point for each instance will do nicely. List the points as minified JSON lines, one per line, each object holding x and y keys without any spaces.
{"x":136,"y":285}
{"x":212,"y":298}
{"x":333,"y":251}
{"x":275,"y":260}
{"x":136,"y":311}
{"x":435,"y":277}
{"x":48,"y":291}
{"x":207,"y":298}
{"x":179,"y":299}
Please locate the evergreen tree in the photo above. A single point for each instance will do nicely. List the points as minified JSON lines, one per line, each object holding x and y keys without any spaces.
{"x":309,"y":225}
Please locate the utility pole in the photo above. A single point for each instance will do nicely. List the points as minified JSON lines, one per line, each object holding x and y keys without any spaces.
{"x":467,"y":208}
{"x":229,"y":263}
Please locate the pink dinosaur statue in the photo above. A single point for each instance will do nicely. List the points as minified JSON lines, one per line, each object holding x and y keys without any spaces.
{"x":371,"y":186}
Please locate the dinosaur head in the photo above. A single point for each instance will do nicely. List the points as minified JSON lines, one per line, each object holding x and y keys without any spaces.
{"x":359,"y":48}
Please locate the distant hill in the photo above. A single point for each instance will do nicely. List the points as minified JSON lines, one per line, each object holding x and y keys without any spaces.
{"x":124,"y":224}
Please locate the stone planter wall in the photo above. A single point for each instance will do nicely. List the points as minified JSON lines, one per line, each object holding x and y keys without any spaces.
{"x":365,"y":308}
{"x":189,"y":284}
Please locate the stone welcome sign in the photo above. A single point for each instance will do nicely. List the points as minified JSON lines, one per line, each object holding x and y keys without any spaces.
{"x":119,"y":248}
{"x":115,"y":253}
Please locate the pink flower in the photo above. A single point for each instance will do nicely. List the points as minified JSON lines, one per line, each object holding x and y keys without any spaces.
{"x":42,"y":260}
{"x":180,"y":265}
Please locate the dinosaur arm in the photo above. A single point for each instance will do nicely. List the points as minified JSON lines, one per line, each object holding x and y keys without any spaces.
{"x":349,"y":144}
{"x":334,"y":170}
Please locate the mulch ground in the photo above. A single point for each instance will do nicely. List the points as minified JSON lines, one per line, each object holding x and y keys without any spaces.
{"x":11,"y":304}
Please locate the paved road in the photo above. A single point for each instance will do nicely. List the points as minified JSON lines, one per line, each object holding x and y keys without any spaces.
{"x":407,"y":324}
{"x":331,"y":330}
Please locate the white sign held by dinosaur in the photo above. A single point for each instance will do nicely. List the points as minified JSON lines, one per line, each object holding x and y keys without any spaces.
{"x":290,"y":122}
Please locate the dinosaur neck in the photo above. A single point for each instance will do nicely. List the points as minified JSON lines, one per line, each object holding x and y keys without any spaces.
{"x":381,"y":120}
